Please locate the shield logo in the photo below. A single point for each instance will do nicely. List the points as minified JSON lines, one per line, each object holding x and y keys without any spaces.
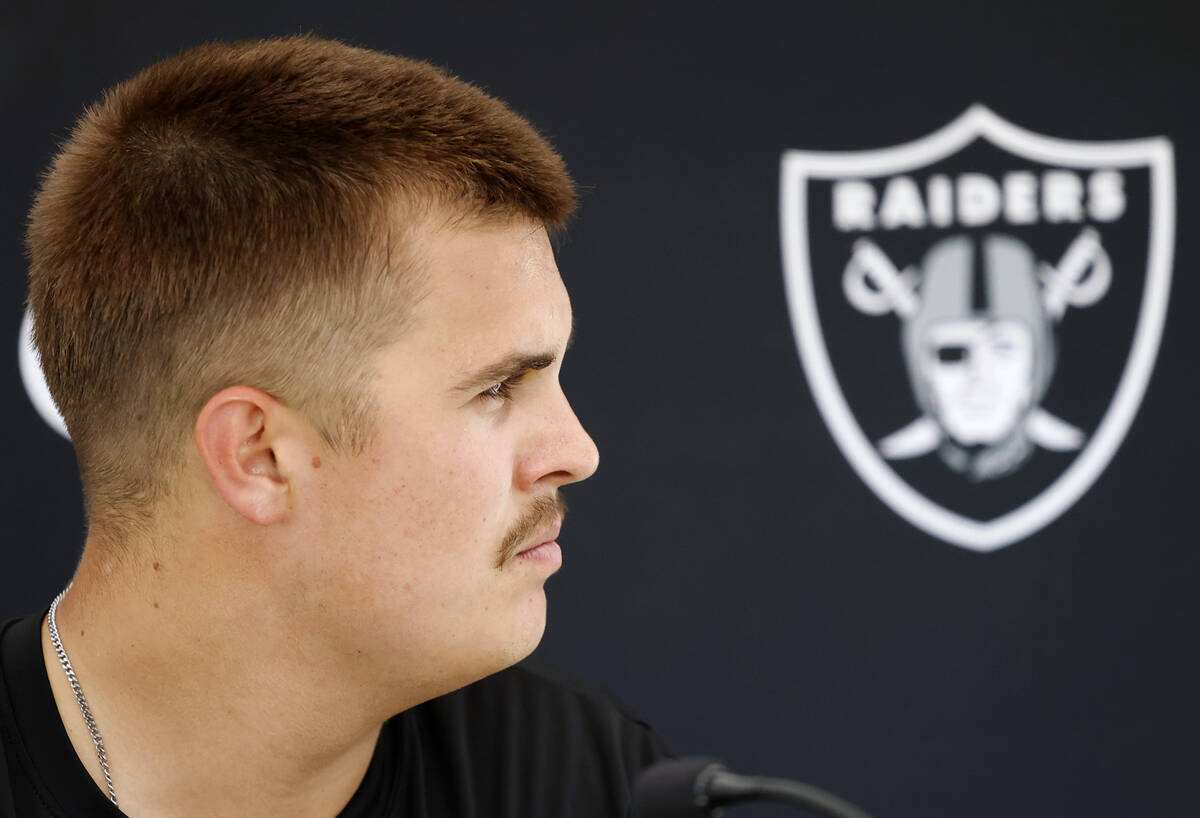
{"x":978,"y":314}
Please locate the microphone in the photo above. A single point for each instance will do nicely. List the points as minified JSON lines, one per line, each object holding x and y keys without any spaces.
{"x":700,"y":787}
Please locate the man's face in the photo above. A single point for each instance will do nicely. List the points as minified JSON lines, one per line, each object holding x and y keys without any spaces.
{"x":427,"y":535}
{"x":980,"y":377}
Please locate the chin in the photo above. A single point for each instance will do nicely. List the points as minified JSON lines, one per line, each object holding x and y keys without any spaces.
{"x":525,"y":633}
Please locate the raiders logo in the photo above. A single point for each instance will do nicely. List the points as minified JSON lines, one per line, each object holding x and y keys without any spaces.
{"x":978,"y":313}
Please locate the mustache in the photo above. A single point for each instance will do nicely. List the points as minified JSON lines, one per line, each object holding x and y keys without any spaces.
{"x":542,"y":512}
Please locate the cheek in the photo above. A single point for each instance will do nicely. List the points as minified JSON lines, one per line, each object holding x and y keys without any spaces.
{"x":410,"y":539}
{"x":433,"y":509}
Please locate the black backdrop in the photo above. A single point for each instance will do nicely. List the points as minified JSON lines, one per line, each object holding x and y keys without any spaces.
{"x":727,"y":572}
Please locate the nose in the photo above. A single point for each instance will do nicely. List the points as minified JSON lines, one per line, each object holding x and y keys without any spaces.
{"x":559,"y":451}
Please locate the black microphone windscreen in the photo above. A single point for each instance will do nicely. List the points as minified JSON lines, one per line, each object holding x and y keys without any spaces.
{"x":667,"y":789}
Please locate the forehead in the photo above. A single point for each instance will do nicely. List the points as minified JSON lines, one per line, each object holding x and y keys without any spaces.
{"x":490,"y":284}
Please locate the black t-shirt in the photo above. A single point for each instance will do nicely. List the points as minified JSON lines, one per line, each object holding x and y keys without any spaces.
{"x":523,"y":743}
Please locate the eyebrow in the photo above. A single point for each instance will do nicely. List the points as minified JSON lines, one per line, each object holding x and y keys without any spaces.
{"x":506,"y":368}
{"x":509,"y":367}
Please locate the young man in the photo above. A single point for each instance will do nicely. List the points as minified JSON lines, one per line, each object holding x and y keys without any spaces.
{"x":297,"y":305}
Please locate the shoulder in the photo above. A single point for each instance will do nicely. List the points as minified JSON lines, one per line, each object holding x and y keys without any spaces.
{"x":26,"y":726}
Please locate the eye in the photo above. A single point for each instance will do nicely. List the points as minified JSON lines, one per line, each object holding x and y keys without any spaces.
{"x":951,"y":354}
{"x":497,"y":391}
{"x":502,"y":390}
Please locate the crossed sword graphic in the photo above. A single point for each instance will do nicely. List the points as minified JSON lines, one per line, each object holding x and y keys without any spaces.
{"x":874,"y":286}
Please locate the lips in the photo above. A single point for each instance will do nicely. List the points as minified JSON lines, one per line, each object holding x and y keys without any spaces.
{"x":536,"y":527}
{"x":545,"y":536}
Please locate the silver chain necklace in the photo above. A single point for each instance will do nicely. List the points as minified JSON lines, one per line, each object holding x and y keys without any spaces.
{"x":93,"y":730}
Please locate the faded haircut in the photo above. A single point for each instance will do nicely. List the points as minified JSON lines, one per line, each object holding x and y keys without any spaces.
{"x":248,"y":213}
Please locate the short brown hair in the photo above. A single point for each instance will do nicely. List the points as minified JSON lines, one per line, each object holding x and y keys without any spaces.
{"x":237,"y":214}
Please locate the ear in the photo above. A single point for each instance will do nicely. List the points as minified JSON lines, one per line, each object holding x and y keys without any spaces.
{"x":238,"y":434}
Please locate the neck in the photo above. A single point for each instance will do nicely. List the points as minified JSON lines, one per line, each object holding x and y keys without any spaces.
{"x":208,"y":701}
